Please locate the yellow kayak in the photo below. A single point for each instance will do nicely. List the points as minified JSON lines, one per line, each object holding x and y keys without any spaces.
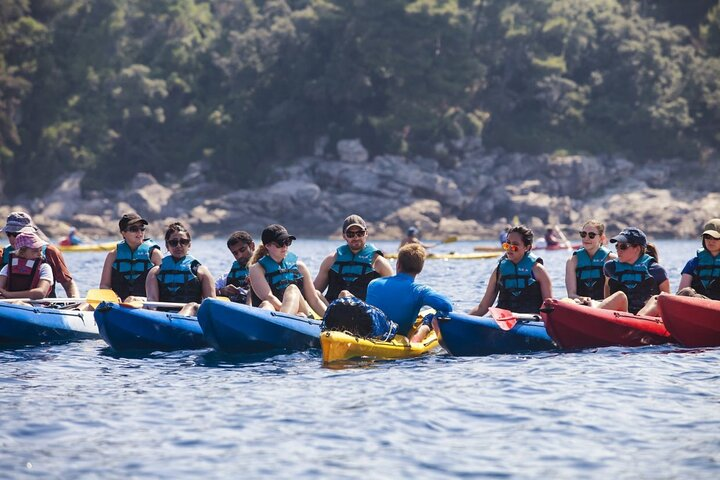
{"x":456,"y":256}
{"x":338,"y":346}
{"x":88,"y":247}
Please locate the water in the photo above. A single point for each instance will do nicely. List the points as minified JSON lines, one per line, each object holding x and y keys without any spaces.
{"x":79,"y":410}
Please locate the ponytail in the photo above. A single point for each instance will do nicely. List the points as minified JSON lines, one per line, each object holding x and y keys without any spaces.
{"x":651,"y":250}
{"x":259,"y":252}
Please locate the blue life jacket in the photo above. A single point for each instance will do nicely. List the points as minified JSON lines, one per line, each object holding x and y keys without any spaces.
{"x":706,"y":276}
{"x":518,"y":289}
{"x":178,"y":280}
{"x":589,"y":273}
{"x":238,"y":276}
{"x":6,"y":255}
{"x":635,"y":281}
{"x":129,"y":270}
{"x":280,"y":275}
{"x":352,"y":271}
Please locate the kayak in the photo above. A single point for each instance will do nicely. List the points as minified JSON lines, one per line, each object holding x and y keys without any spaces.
{"x":339,"y":346}
{"x":693,"y":322}
{"x":466,"y":335}
{"x":236,"y":328}
{"x":89,"y":247}
{"x":21,"y":324}
{"x":456,"y":256}
{"x":125,"y":328}
{"x":558,"y":247}
{"x":579,"y":326}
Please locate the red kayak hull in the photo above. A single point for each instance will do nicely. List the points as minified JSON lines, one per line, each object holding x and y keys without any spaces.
{"x":693,"y":322}
{"x":576,"y":326}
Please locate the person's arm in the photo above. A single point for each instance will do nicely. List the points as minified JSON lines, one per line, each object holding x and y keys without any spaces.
{"x":206,"y":282}
{"x":489,"y":297}
{"x":382,"y":266}
{"x":685,"y":281}
{"x":261,"y":287}
{"x":71,"y":289}
{"x":40,"y":291}
{"x":106,"y":276}
{"x":542,"y":276}
{"x":152,"y":289}
{"x":686,"y":276}
{"x":436,"y":300}
{"x":156,"y":256}
{"x":308,"y":290}
{"x":665,"y":286}
{"x":61,"y":274}
{"x":571,"y":277}
{"x":323,"y":276}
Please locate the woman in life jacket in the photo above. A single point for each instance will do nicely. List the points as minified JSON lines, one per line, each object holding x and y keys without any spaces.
{"x":279,"y":280}
{"x":702,"y":272}
{"x":26,"y":275}
{"x":180,"y":277}
{"x":584,"y":277}
{"x":635,"y":276}
{"x":520,"y":282}
{"x":126,"y":268}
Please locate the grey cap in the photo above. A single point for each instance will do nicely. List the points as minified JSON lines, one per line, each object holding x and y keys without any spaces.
{"x":16,"y":221}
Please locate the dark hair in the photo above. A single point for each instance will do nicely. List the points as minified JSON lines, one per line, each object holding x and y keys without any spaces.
{"x":411,"y":258}
{"x":525,"y":233}
{"x":240,"y":236}
{"x":176,"y":227}
{"x":651,"y":250}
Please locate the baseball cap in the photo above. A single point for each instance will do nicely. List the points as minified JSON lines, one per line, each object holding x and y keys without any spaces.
{"x":275,"y":233}
{"x":28,"y":240}
{"x":354,"y":221}
{"x":16,"y":221}
{"x":130,"y":219}
{"x":632,"y":236}
{"x":412,"y":231}
{"x":712,"y":228}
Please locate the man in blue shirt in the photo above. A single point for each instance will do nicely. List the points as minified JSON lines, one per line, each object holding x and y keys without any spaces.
{"x":401,"y":299}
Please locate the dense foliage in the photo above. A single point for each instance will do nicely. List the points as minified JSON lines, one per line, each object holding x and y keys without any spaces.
{"x":119,"y":86}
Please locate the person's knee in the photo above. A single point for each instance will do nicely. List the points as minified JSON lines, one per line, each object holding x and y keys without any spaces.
{"x":345,"y":294}
{"x":291,"y":289}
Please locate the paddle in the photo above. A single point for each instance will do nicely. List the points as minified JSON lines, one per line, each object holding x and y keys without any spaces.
{"x":450,"y":239}
{"x":145,"y":303}
{"x":44,"y":300}
{"x":96,"y":296}
{"x":565,"y":240}
{"x":506,"y":319}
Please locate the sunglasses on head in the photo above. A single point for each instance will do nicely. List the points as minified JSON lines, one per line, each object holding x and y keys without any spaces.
{"x":706,"y":236}
{"x":588,"y":234}
{"x":355,"y":233}
{"x":284,"y":243}
{"x":510,"y":247}
{"x":135,"y":229}
{"x":179,"y":241}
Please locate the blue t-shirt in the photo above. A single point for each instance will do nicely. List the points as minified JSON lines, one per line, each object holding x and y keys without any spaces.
{"x":690,"y":267}
{"x":401,"y":299}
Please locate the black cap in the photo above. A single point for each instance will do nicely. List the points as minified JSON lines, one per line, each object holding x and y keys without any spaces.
{"x":130,"y":219}
{"x":632,"y":236}
{"x":275,"y":233}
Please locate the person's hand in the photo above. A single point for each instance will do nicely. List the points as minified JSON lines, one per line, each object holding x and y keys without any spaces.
{"x":229,"y":290}
{"x":587,"y":301}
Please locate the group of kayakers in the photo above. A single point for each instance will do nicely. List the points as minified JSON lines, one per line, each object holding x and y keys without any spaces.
{"x":356,"y":281}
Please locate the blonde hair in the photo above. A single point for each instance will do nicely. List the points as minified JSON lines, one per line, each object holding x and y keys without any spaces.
{"x":411,"y":258}
{"x":259,"y":252}
{"x":597,"y":224}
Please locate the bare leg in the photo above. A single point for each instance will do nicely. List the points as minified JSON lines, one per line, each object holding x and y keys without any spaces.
{"x":345,"y":294}
{"x":189,"y":310}
{"x":265,"y":305}
{"x":650,"y":308}
{"x":420,"y":334}
{"x":617,"y":301}
{"x":291,"y":300}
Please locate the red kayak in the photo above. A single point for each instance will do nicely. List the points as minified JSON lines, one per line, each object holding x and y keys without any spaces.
{"x":577,"y":326}
{"x":693,"y":322}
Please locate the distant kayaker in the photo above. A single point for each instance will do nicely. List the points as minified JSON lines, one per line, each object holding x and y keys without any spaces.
{"x":520,"y":282}
{"x":279,"y":279}
{"x":353,"y":265}
{"x":21,"y":221}
{"x":635,"y":275}
{"x":412,"y":235}
{"x":125,"y":269}
{"x":26,"y":275}
{"x":584,"y":277}
{"x":236,"y":284}
{"x":72,"y":238}
{"x":504,"y":234}
{"x":702,"y":272}
{"x":180,"y":277}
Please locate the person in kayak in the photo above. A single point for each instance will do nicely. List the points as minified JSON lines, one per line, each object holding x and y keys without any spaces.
{"x":400,"y":297}
{"x":72,"y":238}
{"x":412,"y":235}
{"x":702,"y":272}
{"x":180,"y":277}
{"x":26,"y":275}
{"x":236,"y":283}
{"x":635,"y":276}
{"x":126,"y":268}
{"x":21,"y":221}
{"x":353,"y":265}
{"x":520,"y":282}
{"x":584,"y":277}
{"x":279,"y":280}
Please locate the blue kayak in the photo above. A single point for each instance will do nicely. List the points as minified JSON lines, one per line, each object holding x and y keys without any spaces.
{"x":126,"y":328}
{"x":466,"y":335}
{"x":236,"y":328}
{"x":22,"y":324}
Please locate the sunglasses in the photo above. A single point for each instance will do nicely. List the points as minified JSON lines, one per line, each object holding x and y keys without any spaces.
{"x":706,"y":236}
{"x":510,"y":247}
{"x":624,"y":246}
{"x":589,"y":234}
{"x":285,"y":243}
{"x":355,"y":233}
{"x":179,"y":241}
{"x":135,"y":229}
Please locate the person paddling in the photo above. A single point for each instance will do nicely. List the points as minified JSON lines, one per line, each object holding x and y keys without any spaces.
{"x":279,"y":279}
{"x":26,"y":275}
{"x":702,"y":272}
{"x":520,"y":282}
{"x":584,"y":278}
{"x":125,"y":269}
{"x":236,"y":283}
{"x":180,"y":277}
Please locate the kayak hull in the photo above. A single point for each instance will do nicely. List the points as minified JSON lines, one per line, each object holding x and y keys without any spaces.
{"x":693,"y":322}
{"x":91,"y":247}
{"x":466,"y":335}
{"x":235,"y":328}
{"x":574,"y":326}
{"x":20,"y":324}
{"x":340,"y":346}
{"x":456,"y":256}
{"x":127,"y":329}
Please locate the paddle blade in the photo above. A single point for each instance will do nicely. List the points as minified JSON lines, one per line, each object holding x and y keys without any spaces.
{"x":505,"y":319}
{"x":450,"y":239}
{"x":223,"y":299}
{"x":96,"y":296}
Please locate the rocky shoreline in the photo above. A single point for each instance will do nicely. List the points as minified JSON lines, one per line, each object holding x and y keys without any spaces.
{"x":467,"y":191}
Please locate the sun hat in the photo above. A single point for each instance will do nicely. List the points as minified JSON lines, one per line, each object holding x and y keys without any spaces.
{"x":16,"y":221}
{"x":353,"y":221}
{"x":712,"y":228}
{"x":275,"y":233}
{"x":632,"y":236}
{"x":28,"y":240}
{"x":130,"y":219}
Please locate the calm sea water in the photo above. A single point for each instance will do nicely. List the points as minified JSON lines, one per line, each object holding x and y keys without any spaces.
{"x":80,"y":411}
